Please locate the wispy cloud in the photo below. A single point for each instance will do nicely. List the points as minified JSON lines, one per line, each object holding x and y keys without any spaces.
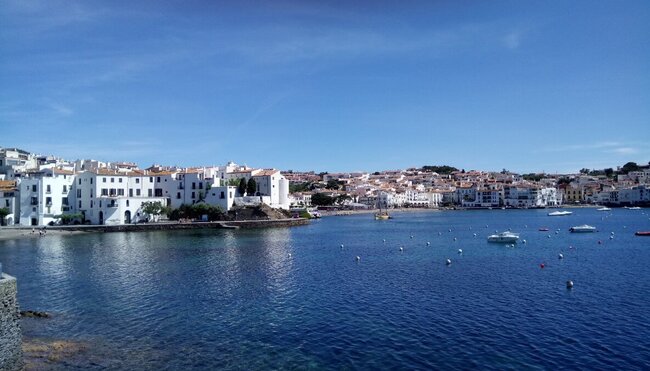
{"x":512,"y":40}
{"x":581,"y":147}
{"x":623,"y":150}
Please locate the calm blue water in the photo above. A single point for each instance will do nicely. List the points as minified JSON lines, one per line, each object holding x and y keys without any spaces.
{"x":237,"y":300}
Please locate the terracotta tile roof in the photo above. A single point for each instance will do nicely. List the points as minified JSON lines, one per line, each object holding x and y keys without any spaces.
{"x":266,"y":172}
{"x":7,"y":185}
{"x":61,"y":171}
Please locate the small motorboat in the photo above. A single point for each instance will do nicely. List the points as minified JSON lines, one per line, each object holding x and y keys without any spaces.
{"x":643,"y":233}
{"x":604,"y":209}
{"x":504,"y":237}
{"x":560,"y":213}
{"x":634,"y":208}
{"x":582,"y":229}
{"x":543,"y":229}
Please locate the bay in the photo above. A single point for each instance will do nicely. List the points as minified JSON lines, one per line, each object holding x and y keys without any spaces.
{"x":293,"y":298}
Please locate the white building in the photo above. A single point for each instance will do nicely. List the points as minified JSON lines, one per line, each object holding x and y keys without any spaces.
{"x":273,"y":184}
{"x":44,"y":195}
{"x":111,"y":197}
{"x":8,"y":198}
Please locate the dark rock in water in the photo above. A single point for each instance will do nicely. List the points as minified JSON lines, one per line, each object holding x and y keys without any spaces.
{"x":34,"y":314}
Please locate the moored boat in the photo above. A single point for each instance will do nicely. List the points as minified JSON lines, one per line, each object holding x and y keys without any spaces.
{"x":560,"y":213}
{"x":604,"y":209}
{"x":543,"y":229}
{"x":506,"y":237}
{"x":582,"y":229}
{"x":643,"y":233}
{"x":382,"y":215}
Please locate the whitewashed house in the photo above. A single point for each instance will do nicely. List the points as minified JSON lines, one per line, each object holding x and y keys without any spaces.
{"x":44,"y":195}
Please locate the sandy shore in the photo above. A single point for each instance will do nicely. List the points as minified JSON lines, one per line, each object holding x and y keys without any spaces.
{"x":15,"y":233}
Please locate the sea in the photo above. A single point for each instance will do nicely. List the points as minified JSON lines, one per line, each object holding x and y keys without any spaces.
{"x":300,"y":299}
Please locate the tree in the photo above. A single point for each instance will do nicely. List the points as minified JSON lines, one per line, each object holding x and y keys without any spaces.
{"x":299,"y":187}
{"x":609,"y":172}
{"x":4,"y":211}
{"x":444,"y":169}
{"x":196,"y":211}
{"x":584,"y":171}
{"x":232,"y":182}
{"x":251,"y":187}
{"x":321,"y":199}
{"x":70,"y":218}
{"x":332,"y":184}
{"x":154,"y":209}
{"x":241,"y":188}
{"x":630,"y":166}
{"x":342,"y":198}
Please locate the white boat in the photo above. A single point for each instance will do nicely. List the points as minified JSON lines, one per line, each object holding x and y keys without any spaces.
{"x":582,"y":229}
{"x":604,"y":209}
{"x":634,"y":208}
{"x":560,"y":213}
{"x":507,"y":237}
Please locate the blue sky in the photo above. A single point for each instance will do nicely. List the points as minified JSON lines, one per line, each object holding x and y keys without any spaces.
{"x":329,"y":86}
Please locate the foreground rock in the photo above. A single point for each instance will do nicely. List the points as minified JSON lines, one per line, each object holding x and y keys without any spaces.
{"x":43,"y":355}
{"x":34,"y":314}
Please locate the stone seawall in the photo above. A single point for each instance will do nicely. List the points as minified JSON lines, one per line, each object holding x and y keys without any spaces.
{"x":164,"y":226}
{"x":11,"y":355}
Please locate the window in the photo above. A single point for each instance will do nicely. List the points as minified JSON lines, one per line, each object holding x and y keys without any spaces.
{"x":130,"y":192}
{"x":79,"y":181}
{"x":48,"y":201}
{"x":112,"y":192}
{"x":34,"y":188}
{"x":104,"y":180}
{"x":193,"y":185}
{"x":91,"y":193}
{"x":159,"y":192}
{"x":80,"y":204}
{"x":91,"y":180}
{"x":120,"y":192}
{"x":48,"y":188}
{"x":222,"y":196}
{"x":137,"y":192}
{"x":78,"y":192}
{"x":200,"y":185}
{"x":178,"y":195}
{"x":149,"y":192}
{"x":119,"y":180}
{"x":65,"y":189}
{"x":193,"y":195}
{"x":137,"y":180}
{"x":100,"y":204}
{"x":158,"y":179}
{"x":127,"y":203}
{"x":112,"y":180}
{"x":64,"y":201}
{"x":7,"y":202}
{"x":91,"y":204}
{"x":150,"y":179}
{"x":104,"y":191}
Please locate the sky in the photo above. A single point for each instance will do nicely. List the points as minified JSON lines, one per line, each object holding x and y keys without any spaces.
{"x":528,"y":86}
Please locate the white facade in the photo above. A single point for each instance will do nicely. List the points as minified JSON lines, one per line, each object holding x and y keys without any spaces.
{"x":224,"y":197}
{"x":44,"y":195}
{"x":273,"y":184}
{"x":113,"y":198}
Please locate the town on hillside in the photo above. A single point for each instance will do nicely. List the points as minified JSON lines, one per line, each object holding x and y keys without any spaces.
{"x":45,"y":190}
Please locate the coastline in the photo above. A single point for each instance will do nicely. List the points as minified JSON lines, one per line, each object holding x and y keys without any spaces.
{"x":11,"y":233}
